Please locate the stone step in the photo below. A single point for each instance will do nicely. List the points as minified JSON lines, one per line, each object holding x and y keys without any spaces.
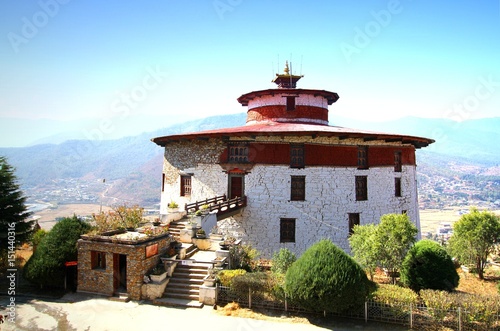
{"x":178,"y":302}
{"x":191,"y":296}
{"x":183,"y":290}
{"x":183,"y":284}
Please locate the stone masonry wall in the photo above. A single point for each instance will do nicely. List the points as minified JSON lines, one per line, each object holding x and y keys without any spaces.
{"x":330,"y":193}
{"x":101,"y":281}
{"x":192,"y":155}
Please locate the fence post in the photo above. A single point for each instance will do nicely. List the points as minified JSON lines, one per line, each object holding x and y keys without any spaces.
{"x":411,"y":315}
{"x":459,"y":319}
{"x":366,"y":311}
{"x":249,"y":298}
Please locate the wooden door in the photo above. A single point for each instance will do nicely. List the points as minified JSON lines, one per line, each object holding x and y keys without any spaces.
{"x":236,"y":186}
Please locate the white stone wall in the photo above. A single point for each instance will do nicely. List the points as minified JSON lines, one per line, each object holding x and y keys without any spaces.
{"x":280,"y":100}
{"x":330,"y":196}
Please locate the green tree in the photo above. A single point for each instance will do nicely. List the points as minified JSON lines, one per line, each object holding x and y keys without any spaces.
{"x":393,"y":238}
{"x":282,"y":260}
{"x":15,"y":228}
{"x":46,"y":265}
{"x":385,"y":244}
{"x":428,"y":266}
{"x":362,"y":242}
{"x":325,"y":278}
{"x":474,"y":238}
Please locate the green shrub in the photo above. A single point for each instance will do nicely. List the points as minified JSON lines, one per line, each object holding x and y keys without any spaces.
{"x":46,"y":265}
{"x":38,"y":236}
{"x":325,"y":278}
{"x":254,"y":281}
{"x":438,"y":303}
{"x":428,"y":266}
{"x":243,"y":257}
{"x":475,"y":308}
{"x":388,"y":294}
{"x":225,"y":277}
{"x":282,"y":260}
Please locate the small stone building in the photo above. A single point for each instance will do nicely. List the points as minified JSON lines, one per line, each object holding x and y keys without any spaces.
{"x":303,"y":179}
{"x":117,"y":262}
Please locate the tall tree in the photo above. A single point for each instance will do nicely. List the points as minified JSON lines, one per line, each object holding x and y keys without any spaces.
{"x":474,"y":238}
{"x":393,"y":238}
{"x":13,"y":211}
{"x":362,"y":242}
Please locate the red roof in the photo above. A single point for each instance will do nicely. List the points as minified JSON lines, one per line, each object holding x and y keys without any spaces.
{"x":295,"y":129}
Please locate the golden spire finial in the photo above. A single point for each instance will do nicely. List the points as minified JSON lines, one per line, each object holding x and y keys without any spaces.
{"x":287,"y":71}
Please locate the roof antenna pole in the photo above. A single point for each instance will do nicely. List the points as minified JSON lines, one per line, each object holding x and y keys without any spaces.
{"x":301,"y":57}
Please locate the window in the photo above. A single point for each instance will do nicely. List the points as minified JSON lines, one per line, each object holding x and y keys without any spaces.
{"x":353,"y":220}
{"x":98,"y":260}
{"x":185,"y":186}
{"x":397,"y":187}
{"x":363,"y":157}
{"x":297,"y":156}
{"x":238,"y":153}
{"x":290,"y":103}
{"x":162,"y":182}
{"x":361,"y":188}
{"x":287,"y":230}
{"x":397,"y":162}
{"x":298,"y":192}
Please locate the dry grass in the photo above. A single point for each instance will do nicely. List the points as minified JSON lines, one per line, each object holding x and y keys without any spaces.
{"x":234,"y":309}
{"x":430,"y":218}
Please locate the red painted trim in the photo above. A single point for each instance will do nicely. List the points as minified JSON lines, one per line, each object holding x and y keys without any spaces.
{"x":277,"y":112}
{"x":326,"y":155}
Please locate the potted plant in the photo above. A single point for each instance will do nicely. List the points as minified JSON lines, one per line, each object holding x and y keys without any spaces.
{"x":170,"y":254}
{"x":224,"y":244}
{"x":156,"y":221}
{"x":173,"y":207}
{"x":200,"y":234}
{"x":219,"y":261}
{"x":204,"y":209}
{"x":158,"y":274}
{"x":210,"y":279}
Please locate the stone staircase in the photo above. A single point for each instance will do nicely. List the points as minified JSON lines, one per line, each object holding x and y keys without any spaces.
{"x":175,"y":228}
{"x":184,"y":286}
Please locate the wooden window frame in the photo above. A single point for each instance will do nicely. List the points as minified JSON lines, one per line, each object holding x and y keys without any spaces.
{"x":297,"y":156}
{"x":238,"y":152}
{"x":362,"y":157}
{"x":397,"y":186}
{"x":353,"y":220}
{"x":163,"y":178}
{"x":298,"y":188}
{"x":186,"y":185}
{"x":398,"y":164}
{"x":287,"y":230}
{"x":290,"y":103}
{"x":98,"y":260}
{"x":361,"y":184}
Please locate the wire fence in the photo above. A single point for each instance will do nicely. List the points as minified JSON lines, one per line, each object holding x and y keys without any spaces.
{"x":416,"y":316}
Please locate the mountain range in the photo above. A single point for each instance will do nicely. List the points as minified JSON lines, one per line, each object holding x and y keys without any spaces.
{"x":133,"y":164}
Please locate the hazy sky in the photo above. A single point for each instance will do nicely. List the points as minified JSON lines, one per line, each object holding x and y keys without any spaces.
{"x":183,"y":60}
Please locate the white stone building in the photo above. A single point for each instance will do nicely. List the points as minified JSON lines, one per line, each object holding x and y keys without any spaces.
{"x":303,"y":180}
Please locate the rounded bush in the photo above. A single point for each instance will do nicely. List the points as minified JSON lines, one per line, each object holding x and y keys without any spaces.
{"x":428,"y":266}
{"x":325,"y":278}
{"x":46,"y":265}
